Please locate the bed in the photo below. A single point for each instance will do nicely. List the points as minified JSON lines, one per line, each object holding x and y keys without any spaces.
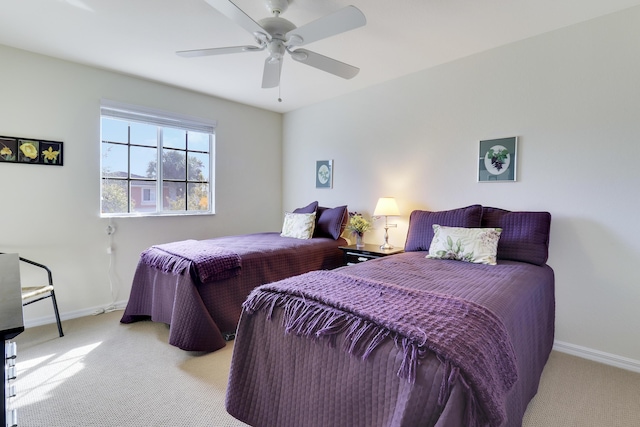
{"x":414,"y":339}
{"x":198,"y":287}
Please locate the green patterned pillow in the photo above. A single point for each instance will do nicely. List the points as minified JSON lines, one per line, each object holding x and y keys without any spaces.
{"x":299,"y":225}
{"x":477,"y":245}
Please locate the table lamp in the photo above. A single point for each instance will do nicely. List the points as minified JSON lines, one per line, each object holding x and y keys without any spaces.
{"x":386,"y":207}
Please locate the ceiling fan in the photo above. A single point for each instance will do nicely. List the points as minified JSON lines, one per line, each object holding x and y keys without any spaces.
{"x":277,"y":36}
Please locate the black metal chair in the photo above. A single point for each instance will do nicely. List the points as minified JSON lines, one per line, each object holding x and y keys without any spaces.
{"x":35,"y":293}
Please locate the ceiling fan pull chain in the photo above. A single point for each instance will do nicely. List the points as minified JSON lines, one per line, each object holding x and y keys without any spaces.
{"x":279,"y":98}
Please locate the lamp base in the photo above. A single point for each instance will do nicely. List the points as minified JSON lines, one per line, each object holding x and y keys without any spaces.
{"x":386,"y":244}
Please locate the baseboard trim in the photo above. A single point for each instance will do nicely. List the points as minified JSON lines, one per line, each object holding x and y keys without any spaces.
{"x":46,"y":320}
{"x":598,"y":356}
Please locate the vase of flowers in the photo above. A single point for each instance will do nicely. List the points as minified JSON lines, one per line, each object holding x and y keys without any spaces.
{"x":357,"y":226}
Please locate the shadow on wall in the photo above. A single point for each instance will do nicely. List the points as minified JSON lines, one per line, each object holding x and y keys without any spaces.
{"x":597,"y":290}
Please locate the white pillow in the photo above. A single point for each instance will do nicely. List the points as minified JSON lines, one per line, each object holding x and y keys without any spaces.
{"x":299,"y":225}
{"x":477,"y":245}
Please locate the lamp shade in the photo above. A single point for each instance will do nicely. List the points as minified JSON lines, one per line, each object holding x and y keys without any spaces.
{"x":386,"y":206}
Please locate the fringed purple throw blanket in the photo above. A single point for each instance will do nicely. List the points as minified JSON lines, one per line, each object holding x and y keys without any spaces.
{"x":206,"y":261}
{"x":469,"y":339}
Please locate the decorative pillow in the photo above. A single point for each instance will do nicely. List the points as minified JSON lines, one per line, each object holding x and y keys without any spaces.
{"x":525,"y":235}
{"x":331,"y":221}
{"x":476,"y":245}
{"x":421,"y":224}
{"x":298,"y":225}
{"x":311,"y":207}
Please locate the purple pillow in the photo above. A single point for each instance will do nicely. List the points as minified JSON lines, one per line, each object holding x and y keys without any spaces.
{"x":310,"y":208}
{"x":421,"y":223}
{"x":525,"y":235}
{"x":330,"y":222}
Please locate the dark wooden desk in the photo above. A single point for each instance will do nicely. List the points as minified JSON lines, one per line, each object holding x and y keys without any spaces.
{"x":11,"y":324}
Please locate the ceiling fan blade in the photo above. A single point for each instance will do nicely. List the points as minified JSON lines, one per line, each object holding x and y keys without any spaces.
{"x":234,"y":13}
{"x":218,"y":51}
{"x":345,"y":19}
{"x":324,"y":63}
{"x":271,"y":74}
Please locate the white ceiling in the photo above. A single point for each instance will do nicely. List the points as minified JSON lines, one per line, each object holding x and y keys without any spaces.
{"x":140,"y":37}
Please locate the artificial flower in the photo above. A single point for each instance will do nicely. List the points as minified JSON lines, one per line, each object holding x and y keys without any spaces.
{"x":29,"y":150}
{"x":50,"y":154}
{"x":358,"y":224}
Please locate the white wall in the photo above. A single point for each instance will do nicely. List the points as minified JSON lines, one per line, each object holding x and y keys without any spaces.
{"x":573,"y":99}
{"x":51,"y":214}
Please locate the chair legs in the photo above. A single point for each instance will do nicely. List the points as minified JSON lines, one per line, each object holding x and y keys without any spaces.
{"x":55,"y":309}
{"x":51,"y":295}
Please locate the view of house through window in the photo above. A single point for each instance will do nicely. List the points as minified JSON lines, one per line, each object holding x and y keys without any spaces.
{"x":154,"y":165}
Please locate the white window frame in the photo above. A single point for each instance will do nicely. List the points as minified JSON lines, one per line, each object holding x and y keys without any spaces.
{"x":131,"y":113}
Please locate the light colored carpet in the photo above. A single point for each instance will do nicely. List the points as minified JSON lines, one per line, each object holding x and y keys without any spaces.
{"x":103,"y":373}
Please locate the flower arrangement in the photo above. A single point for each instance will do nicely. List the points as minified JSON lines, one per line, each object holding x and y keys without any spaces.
{"x":358,"y":225}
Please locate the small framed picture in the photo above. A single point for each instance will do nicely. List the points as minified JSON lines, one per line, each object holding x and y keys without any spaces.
{"x":8,"y":149}
{"x":30,"y":151}
{"x":497,"y":160}
{"x":324,"y":174}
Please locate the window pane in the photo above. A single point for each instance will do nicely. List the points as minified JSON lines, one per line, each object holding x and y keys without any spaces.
{"x":143,"y":134}
{"x":114,"y":196}
{"x":198,"y":167}
{"x":114,"y":130}
{"x":148,"y":168}
{"x":198,"y":197}
{"x":173,"y":196}
{"x":143,"y":162}
{"x":114,"y":160}
{"x":198,"y":141}
{"x":174,"y":165}
{"x":138,"y":190}
{"x":174,"y":138}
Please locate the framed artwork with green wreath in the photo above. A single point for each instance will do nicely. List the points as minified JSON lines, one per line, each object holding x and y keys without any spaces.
{"x":497,"y":159}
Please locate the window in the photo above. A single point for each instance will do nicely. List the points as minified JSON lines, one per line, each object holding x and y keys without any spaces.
{"x":154,"y":163}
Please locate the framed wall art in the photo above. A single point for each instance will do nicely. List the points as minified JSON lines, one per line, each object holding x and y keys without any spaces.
{"x":30,"y":151}
{"x":497,"y":160}
{"x":324,"y":174}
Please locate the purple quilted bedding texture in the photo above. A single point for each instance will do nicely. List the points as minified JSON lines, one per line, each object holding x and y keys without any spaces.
{"x":338,"y":345}
{"x":200,"y":308}
{"x":472,"y":339}
{"x":206,"y":261}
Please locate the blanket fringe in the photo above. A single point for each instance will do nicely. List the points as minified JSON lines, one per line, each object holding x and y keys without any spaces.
{"x":162,"y":262}
{"x":469,"y":340}
{"x":313,"y":320}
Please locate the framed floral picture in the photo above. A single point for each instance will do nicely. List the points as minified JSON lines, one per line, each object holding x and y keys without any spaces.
{"x":497,"y":160}
{"x":324,"y":174}
{"x":30,"y":151}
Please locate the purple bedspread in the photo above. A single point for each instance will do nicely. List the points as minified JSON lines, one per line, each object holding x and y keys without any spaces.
{"x":321,"y":304}
{"x":274,"y":373}
{"x":200,"y":311}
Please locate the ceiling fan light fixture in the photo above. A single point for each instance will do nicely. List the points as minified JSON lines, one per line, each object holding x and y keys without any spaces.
{"x":278,"y":35}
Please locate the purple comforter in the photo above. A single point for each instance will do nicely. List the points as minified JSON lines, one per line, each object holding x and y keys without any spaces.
{"x":200,"y":311}
{"x":275,"y":373}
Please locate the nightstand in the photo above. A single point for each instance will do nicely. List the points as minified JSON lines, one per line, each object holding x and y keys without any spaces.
{"x":353,"y":255}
